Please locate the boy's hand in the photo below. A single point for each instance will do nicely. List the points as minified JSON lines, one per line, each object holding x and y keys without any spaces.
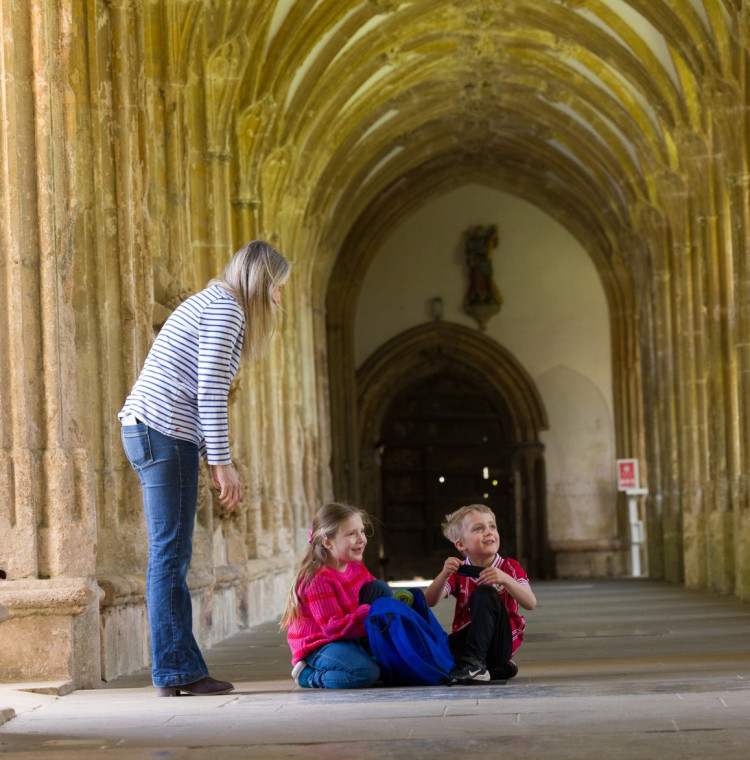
{"x":521,"y":592}
{"x":436,"y":590}
{"x":450,"y":566}
{"x":493,"y":576}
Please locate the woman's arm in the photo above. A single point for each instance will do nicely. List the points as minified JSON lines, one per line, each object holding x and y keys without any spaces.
{"x":220,"y":334}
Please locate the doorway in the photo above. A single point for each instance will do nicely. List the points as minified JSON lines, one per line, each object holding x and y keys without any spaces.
{"x":445,"y":444}
{"x":447,"y":417}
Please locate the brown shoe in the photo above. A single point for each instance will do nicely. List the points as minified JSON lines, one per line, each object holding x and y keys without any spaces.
{"x":205,"y":687}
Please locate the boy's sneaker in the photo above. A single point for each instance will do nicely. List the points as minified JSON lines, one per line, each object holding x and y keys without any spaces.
{"x":299,"y":675}
{"x":467,"y":671}
{"x":505,"y":672}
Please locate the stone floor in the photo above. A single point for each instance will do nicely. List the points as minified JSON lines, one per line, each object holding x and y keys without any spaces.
{"x":609,"y":669}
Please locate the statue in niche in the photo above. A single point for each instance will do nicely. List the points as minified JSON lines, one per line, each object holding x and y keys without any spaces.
{"x":483,"y":299}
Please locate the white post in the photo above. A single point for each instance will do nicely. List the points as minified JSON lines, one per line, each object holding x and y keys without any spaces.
{"x":636,"y":529}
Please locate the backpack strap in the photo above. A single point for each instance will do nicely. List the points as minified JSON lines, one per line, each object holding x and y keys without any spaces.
{"x":409,"y":643}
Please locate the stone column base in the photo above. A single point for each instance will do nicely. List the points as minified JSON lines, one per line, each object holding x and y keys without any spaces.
{"x":52,"y":631}
{"x":225,"y":600}
{"x":124,"y":625}
{"x":596,"y":558}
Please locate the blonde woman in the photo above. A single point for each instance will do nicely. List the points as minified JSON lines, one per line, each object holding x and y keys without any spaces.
{"x":175,"y":415}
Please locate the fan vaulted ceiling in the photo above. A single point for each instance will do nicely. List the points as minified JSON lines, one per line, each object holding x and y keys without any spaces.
{"x":576,"y":105}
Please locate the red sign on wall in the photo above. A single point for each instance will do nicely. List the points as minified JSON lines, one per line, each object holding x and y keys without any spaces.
{"x":627,"y":474}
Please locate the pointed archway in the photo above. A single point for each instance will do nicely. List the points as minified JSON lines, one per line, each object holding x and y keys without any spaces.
{"x":444,"y":401}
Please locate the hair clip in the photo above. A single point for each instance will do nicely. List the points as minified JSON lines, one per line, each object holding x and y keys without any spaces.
{"x":310,"y":535}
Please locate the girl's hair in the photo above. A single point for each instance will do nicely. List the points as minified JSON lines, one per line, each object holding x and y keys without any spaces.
{"x":453,"y":526}
{"x":326,"y":524}
{"x":251,"y":276}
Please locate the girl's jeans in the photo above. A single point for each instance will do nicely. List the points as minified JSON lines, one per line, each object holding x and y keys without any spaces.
{"x":348,"y":663}
{"x":344,"y":664}
{"x":168,"y":470}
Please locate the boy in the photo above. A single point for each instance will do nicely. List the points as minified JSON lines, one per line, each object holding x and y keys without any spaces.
{"x":487,"y":627}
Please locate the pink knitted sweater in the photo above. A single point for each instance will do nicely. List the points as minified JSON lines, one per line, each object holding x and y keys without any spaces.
{"x":329,"y":609}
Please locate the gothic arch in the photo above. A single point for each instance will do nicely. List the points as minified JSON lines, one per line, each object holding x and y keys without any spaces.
{"x":428,"y":349}
{"x":438,"y":349}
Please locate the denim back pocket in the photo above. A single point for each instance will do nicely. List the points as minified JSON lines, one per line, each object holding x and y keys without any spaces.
{"x":137,"y":445}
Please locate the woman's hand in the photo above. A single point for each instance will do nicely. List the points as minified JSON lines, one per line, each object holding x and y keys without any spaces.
{"x":225,"y":479}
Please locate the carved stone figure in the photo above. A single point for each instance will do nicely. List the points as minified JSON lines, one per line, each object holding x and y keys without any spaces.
{"x":482,"y":299}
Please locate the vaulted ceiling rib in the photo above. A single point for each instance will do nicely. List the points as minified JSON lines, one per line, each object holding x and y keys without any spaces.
{"x":591,"y":97}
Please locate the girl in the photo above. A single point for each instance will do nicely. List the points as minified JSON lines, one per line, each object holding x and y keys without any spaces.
{"x":329,"y":601}
{"x":176,"y":414}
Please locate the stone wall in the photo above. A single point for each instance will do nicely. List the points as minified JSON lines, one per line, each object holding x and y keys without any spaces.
{"x":122,"y":196}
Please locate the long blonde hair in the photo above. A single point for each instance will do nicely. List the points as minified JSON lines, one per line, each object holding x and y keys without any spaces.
{"x":251,"y":276}
{"x":326,"y":524}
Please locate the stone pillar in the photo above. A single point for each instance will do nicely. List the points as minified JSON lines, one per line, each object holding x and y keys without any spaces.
{"x":653,"y":317}
{"x":721,"y":370}
{"x":248,"y":212}
{"x":47,"y":520}
{"x":666,"y":323}
{"x":277,"y":465}
{"x":690,"y":268}
{"x":114,"y":302}
{"x":741,"y":518}
{"x":739,"y":209}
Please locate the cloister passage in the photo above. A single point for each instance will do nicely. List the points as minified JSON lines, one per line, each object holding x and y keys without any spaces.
{"x":141,"y":144}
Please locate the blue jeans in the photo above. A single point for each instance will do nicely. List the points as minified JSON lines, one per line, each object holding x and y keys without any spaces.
{"x":343,"y":664}
{"x":372,"y":590}
{"x":348,"y":663}
{"x":168,"y":470}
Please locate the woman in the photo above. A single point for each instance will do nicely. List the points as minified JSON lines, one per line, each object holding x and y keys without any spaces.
{"x":175,"y":415}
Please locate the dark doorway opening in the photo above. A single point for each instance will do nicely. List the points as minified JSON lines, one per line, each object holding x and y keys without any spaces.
{"x":443,"y":401}
{"x":446,"y":442}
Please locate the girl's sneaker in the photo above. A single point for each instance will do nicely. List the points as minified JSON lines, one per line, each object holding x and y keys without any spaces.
{"x":301,"y":674}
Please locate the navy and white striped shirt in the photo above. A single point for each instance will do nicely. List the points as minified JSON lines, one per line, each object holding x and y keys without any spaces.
{"x":183,"y":387}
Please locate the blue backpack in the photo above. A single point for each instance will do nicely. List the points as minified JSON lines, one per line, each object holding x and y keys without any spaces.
{"x":408,"y":642}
